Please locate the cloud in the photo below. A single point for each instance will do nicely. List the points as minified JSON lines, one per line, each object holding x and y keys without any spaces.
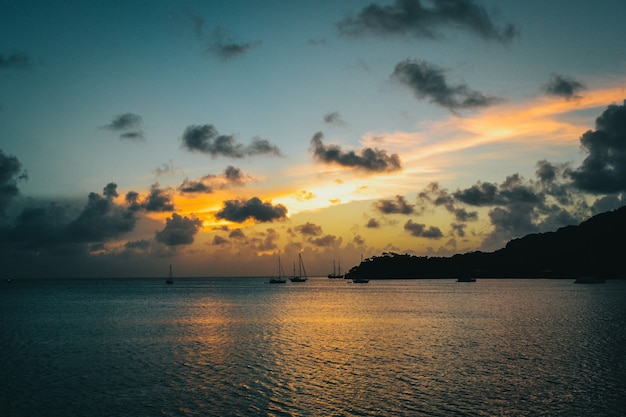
{"x":309,"y":229}
{"x":60,"y":230}
{"x":158,"y":200}
{"x":327,"y":241}
{"x":604,"y":169}
{"x":373,"y":224}
{"x":334,"y":118}
{"x":563,"y":86}
{"x":128,"y":125}
{"x":10,"y":173}
{"x":237,"y":234}
{"x":206,"y":139}
{"x":239,"y":211}
{"x":178,"y":230}
{"x":102,"y":219}
{"x":411,"y":17}
{"x":225,"y":48}
{"x":218,"y":240}
{"x":141,"y":244}
{"x":429,"y":81}
{"x":218,"y":43}
{"x":370,"y":160}
{"x":15,"y":60}
{"x":397,"y":206}
{"x":231,"y":177}
{"x":420,"y":230}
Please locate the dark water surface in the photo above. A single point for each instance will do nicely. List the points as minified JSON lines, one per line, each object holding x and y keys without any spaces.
{"x":241,"y":347}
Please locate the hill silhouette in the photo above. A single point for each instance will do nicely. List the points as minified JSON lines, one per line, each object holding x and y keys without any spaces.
{"x":593,"y":248}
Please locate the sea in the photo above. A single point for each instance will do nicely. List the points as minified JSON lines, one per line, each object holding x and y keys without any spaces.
{"x":325,"y":347}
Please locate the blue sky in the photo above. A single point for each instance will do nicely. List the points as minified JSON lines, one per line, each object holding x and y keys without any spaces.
{"x":334,"y":129}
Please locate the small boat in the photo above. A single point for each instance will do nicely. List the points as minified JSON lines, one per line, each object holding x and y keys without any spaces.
{"x":466,"y":279}
{"x":360,"y":280}
{"x":170,"y":278}
{"x":589,"y":280}
{"x":299,"y":277}
{"x":280,"y":279}
{"x":335,"y":274}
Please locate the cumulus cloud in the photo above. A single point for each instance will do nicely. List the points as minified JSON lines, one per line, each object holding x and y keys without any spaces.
{"x":413,"y":18}
{"x":127,"y":125}
{"x":428,"y":81}
{"x":437,"y":196}
{"x":309,"y":229}
{"x":604,"y":169}
{"x":60,"y":230}
{"x":563,"y":86}
{"x":372,"y":224}
{"x":179,"y":230}
{"x":239,"y":211}
{"x":10,"y":173}
{"x":16,"y":60}
{"x":369,"y":160}
{"x":421,"y":230}
{"x":397,"y":206}
{"x":206,"y":139}
{"x":327,"y":241}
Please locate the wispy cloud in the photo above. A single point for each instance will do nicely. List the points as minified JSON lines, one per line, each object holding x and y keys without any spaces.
{"x":563,"y":86}
{"x":16,"y":60}
{"x":413,"y":18}
{"x":127,"y":125}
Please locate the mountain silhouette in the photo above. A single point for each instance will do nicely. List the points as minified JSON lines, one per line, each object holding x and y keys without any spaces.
{"x":593,"y":248}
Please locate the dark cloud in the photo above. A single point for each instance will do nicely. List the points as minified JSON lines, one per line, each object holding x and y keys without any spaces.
{"x":218,"y":240}
{"x":10,"y":173}
{"x":373,"y":224}
{"x":158,"y":200}
{"x":412,"y":17}
{"x":240,"y":210}
{"x":309,"y":229}
{"x":604,"y":169}
{"x":459,"y":229}
{"x":16,"y":60}
{"x":102,"y":219}
{"x":397,"y":206}
{"x":128,"y":125}
{"x":420,"y":230}
{"x":326,"y":241}
{"x":178,"y":230}
{"x":62,"y":230}
{"x":225,"y":48}
{"x":237,"y":234}
{"x":231,"y":177}
{"x":429,"y":81}
{"x":206,"y":139}
{"x":434,"y":194}
{"x":563,"y":86}
{"x":141,"y":244}
{"x":198,"y":186}
{"x":334,"y":118}
{"x":370,"y":160}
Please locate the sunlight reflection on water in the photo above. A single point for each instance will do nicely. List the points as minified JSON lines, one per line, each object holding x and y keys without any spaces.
{"x":324,"y":347}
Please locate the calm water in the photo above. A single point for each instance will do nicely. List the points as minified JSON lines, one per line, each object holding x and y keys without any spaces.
{"x":241,"y":347}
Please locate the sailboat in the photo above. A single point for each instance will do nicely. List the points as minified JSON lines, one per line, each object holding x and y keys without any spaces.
{"x":281,"y":275}
{"x":335,"y":274}
{"x":170,"y":278}
{"x":299,"y":277}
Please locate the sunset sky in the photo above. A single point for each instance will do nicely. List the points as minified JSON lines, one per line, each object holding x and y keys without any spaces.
{"x":217,"y":135}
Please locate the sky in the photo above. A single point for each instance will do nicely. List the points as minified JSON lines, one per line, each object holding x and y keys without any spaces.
{"x":218,"y":136}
